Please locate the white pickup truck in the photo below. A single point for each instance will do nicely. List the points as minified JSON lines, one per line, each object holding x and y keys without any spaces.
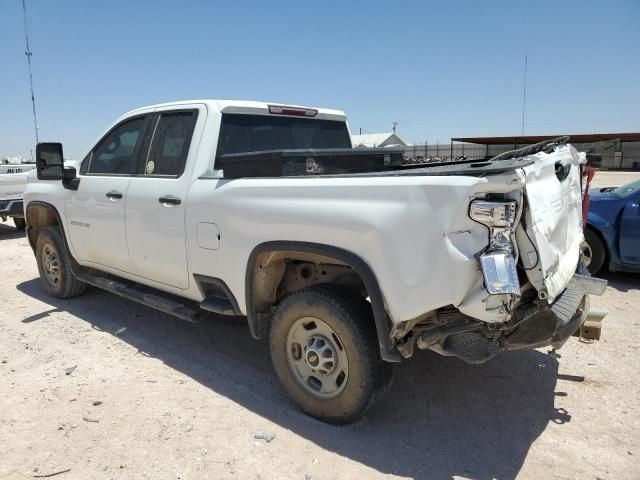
{"x":13,"y":180}
{"x":344,"y":258}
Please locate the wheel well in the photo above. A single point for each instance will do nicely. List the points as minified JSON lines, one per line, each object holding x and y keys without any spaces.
{"x":39,"y":216}
{"x":276,"y":274}
{"x":276,"y":269}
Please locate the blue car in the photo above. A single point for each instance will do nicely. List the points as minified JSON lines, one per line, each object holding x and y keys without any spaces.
{"x":613,"y":229}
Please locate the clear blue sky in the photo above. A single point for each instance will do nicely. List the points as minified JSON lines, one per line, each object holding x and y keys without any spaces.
{"x":440,"y":69}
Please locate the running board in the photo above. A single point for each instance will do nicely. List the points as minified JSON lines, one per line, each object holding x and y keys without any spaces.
{"x":218,"y":305}
{"x":145,"y":295}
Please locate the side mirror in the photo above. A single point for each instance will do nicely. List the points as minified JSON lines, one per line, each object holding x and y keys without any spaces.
{"x":49,"y":161}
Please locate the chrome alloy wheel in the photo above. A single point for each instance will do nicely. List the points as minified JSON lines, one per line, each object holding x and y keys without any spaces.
{"x":51,"y":263}
{"x":317,"y":357}
{"x":587,"y":254}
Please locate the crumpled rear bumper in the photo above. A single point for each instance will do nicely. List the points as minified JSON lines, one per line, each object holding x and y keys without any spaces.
{"x":552,"y":324}
{"x":536,"y":323}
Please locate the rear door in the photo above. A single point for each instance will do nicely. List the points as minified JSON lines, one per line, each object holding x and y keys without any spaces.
{"x":95,"y":212}
{"x":630,"y":231}
{"x":155,"y":210}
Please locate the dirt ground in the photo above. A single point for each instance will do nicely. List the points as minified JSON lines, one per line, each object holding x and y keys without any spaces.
{"x":108,"y":389}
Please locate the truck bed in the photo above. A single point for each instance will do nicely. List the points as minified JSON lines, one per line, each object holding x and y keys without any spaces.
{"x":368,"y":162}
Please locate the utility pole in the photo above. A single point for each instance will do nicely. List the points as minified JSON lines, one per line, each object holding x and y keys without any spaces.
{"x":524,"y":94}
{"x":395,"y":124}
{"x":28,"y":54}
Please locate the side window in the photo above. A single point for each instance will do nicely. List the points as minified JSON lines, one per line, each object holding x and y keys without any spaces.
{"x":116,"y":153}
{"x":170,"y":143}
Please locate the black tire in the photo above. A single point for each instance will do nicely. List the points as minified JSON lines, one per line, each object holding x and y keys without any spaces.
{"x":350,"y":318}
{"x":20,"y":223}
{"x":598,"y":251}
{"x":64,"y":283}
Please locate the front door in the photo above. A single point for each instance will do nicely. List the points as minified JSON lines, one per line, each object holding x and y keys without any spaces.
{"x":630,"y":231}
{"x":156,"y":199}
{"x":96,"y":211}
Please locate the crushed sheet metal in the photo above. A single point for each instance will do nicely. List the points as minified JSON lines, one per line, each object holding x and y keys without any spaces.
{"x":555,"y":214}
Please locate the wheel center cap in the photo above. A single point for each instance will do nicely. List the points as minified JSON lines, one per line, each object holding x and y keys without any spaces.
{"x":319,"y":355}
{"x":312,"y":359}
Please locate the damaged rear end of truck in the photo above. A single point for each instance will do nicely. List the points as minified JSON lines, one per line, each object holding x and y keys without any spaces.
{"x":472,"y":258}
{"x":534,"y":289}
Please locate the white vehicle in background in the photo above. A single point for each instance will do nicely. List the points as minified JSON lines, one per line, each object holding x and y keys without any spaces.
{"x":13,"y":180}
{"x":344,"y":258}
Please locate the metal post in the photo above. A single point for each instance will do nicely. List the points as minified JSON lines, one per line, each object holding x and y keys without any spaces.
{"x":451,"y":154}
{"x":524,"y":94}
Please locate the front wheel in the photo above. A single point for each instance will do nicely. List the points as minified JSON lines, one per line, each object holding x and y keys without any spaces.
{"x":595,"y":253}
{"x":54,"y":265}
{"x":325,"y":352}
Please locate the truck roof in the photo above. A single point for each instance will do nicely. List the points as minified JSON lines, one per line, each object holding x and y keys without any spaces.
{"x":249,"y":107}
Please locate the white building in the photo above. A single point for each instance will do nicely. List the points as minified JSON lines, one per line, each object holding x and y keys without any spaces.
{"x":12,"y":160}
{"x":378,"y":140}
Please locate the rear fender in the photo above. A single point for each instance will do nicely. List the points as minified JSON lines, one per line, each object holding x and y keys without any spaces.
{"x":258,"y":325}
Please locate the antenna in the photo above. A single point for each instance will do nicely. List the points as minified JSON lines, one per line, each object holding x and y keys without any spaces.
{"x":524,"y":94}
{"x":395,"y":124}
{"x":28,"y":54}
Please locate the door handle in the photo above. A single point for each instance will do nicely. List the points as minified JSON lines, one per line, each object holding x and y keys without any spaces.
{"x":170,"y":200}
{"x":113,"y":195}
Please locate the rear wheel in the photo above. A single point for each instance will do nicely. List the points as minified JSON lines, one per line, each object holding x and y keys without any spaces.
{"x":20,"y":223}
{"x":595,"y":253}
{"x":325,"y":352}
{"x":54,"y":265}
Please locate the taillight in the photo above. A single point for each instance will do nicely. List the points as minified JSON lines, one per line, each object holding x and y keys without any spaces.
{"x":292,"y":111}
{"x":497,"y":261}
{"x":587,"y":175}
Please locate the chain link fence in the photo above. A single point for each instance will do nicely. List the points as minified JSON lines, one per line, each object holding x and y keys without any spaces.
{"x":615,"y":154}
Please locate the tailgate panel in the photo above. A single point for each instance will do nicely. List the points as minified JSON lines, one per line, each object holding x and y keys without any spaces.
{"x":554,"y":217}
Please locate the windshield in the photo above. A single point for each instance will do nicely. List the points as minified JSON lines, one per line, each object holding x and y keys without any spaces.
{"x":254,"y":133}
{"x":626,"y":190}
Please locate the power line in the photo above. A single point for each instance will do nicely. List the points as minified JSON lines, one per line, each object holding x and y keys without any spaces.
{"x":28,"y":53}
